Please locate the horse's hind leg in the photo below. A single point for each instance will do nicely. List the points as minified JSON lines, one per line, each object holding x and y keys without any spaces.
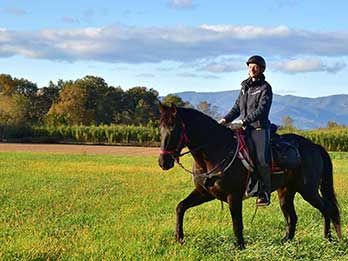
{"x":316,"y":201}
{"x":286,"y":200}
{"x":335,"y":217}
{"x":194,"y":199}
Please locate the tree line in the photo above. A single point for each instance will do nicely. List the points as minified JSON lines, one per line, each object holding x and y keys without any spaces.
{"x":87,"y":101}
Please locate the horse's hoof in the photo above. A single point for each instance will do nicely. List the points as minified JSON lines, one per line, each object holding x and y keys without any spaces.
{"x":329,"y":238}
{"x":240,"y":246}
{"x":286,"y":239}
{"x":179,"y":239}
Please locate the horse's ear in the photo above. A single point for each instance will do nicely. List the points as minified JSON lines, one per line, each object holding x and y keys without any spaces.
{"x":173,"y":109}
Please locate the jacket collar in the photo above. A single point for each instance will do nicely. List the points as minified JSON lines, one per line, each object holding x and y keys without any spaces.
{"x":250,"y":83}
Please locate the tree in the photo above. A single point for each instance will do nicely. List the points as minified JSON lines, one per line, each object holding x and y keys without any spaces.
{"x":71,"y":106}
{"x":13,"y":109}
{"x":19,"y":93}
{"x":43,"y":101}
{"x":206,"y":108}
{"x":287,"y":122}
{"x":96,"y":90}
{"x":25,"y":87}
{"x":333,"y":125}
{"x":86,"y":101}
{"x":142,"y":105}
{"x":174,"y":99}
{"x":10,"y":86}
{"x":7,"y":84}
{"x":115,"y":98}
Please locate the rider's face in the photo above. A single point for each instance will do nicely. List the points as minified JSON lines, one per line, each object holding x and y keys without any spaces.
{"x":254,"y":70}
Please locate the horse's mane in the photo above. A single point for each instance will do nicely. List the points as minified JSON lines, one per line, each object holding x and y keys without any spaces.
{"x":201,"y":120}
{"x":191,"y":114}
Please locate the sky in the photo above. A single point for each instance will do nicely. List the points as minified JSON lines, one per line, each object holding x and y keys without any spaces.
{"x":178,"y":45}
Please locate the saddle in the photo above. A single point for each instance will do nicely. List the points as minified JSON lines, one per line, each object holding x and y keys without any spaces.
{"x":284,"y":153}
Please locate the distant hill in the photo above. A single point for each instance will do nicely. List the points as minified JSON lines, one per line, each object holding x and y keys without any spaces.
{"x":307,"y":113}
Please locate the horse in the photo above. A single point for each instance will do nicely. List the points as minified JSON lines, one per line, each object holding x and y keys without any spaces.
{"x":214,"y":148}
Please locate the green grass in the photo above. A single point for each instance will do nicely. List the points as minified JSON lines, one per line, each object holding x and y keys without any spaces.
{"x":78,"y":207}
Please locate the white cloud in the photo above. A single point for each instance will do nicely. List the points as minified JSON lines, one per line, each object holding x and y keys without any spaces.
{"x":247,"y":32}
{"x":308,"y":65}
{"x":14,"y":11}
{"x":194,"y":75}
{"x":181,"y":4}
{"x":222,"y":67}
{"x":122,"y":44}
{"x":166,"y":69}
{"x":145,"y":75}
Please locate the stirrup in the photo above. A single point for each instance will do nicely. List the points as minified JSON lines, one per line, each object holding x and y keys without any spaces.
{"x":264,"y":200}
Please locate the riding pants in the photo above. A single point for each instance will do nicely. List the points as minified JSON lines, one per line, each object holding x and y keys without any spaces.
{"x":261,"y":142}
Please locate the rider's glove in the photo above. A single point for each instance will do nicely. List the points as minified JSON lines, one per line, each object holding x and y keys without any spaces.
{"x":238,"y":124}
{"x":222,"y":122}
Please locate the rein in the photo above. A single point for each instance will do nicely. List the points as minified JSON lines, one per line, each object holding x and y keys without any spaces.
{"x":214,"y":172}
{"x":184,"y":140}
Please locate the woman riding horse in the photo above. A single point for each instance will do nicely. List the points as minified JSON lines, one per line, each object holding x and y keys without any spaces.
{"x":214,"y":149}
{"x":253,"y":105}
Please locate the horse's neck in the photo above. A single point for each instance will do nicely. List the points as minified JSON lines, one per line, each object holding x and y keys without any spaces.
{"x":209,"y":144}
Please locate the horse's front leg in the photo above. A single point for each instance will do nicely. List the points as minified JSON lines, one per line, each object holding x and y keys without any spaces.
{"x":194,"y":199}
{"x":235,"y":204}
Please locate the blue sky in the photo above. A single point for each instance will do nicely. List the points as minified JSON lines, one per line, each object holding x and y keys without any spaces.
{"x":178,"y":45}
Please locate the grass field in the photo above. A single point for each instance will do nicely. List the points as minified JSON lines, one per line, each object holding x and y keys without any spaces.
{"x":78,"y":207}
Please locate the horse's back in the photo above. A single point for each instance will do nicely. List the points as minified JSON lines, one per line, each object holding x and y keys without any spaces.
{"x":296,"y":139}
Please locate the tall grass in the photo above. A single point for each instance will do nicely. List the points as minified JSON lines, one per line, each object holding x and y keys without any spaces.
{"x":79,"y":207}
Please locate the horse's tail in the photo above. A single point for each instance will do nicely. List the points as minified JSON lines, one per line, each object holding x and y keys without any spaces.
{"x":327,"y":189}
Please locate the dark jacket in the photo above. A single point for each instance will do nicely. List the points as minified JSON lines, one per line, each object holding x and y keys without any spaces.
{"x":253,"y":103}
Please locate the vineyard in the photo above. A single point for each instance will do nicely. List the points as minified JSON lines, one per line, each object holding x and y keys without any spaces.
{"x":335,"y":139}
{"x":330,"y":139}
{"x":104,"y":134}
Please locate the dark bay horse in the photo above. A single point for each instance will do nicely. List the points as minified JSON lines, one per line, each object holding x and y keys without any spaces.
{"x":213,"y":148}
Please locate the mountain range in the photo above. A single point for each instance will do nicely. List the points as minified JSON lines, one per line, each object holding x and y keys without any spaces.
{"x":306,"y":113}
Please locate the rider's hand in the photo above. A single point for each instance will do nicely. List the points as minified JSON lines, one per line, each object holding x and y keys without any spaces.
{"x":238,"y":123}
{"x":222,"y":122}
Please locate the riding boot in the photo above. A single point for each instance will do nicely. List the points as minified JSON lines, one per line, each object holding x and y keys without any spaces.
{"x":264,"y":198}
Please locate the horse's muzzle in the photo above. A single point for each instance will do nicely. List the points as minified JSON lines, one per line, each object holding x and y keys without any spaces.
{"x":166,"y":161}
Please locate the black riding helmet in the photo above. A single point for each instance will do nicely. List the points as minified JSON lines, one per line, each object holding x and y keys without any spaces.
{"x":257,"y":60}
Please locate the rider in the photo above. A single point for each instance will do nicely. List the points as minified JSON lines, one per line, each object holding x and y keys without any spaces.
{"x":253,"y":105}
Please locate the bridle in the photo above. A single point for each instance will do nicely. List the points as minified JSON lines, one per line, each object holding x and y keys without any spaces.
{"x":183,"y":142}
